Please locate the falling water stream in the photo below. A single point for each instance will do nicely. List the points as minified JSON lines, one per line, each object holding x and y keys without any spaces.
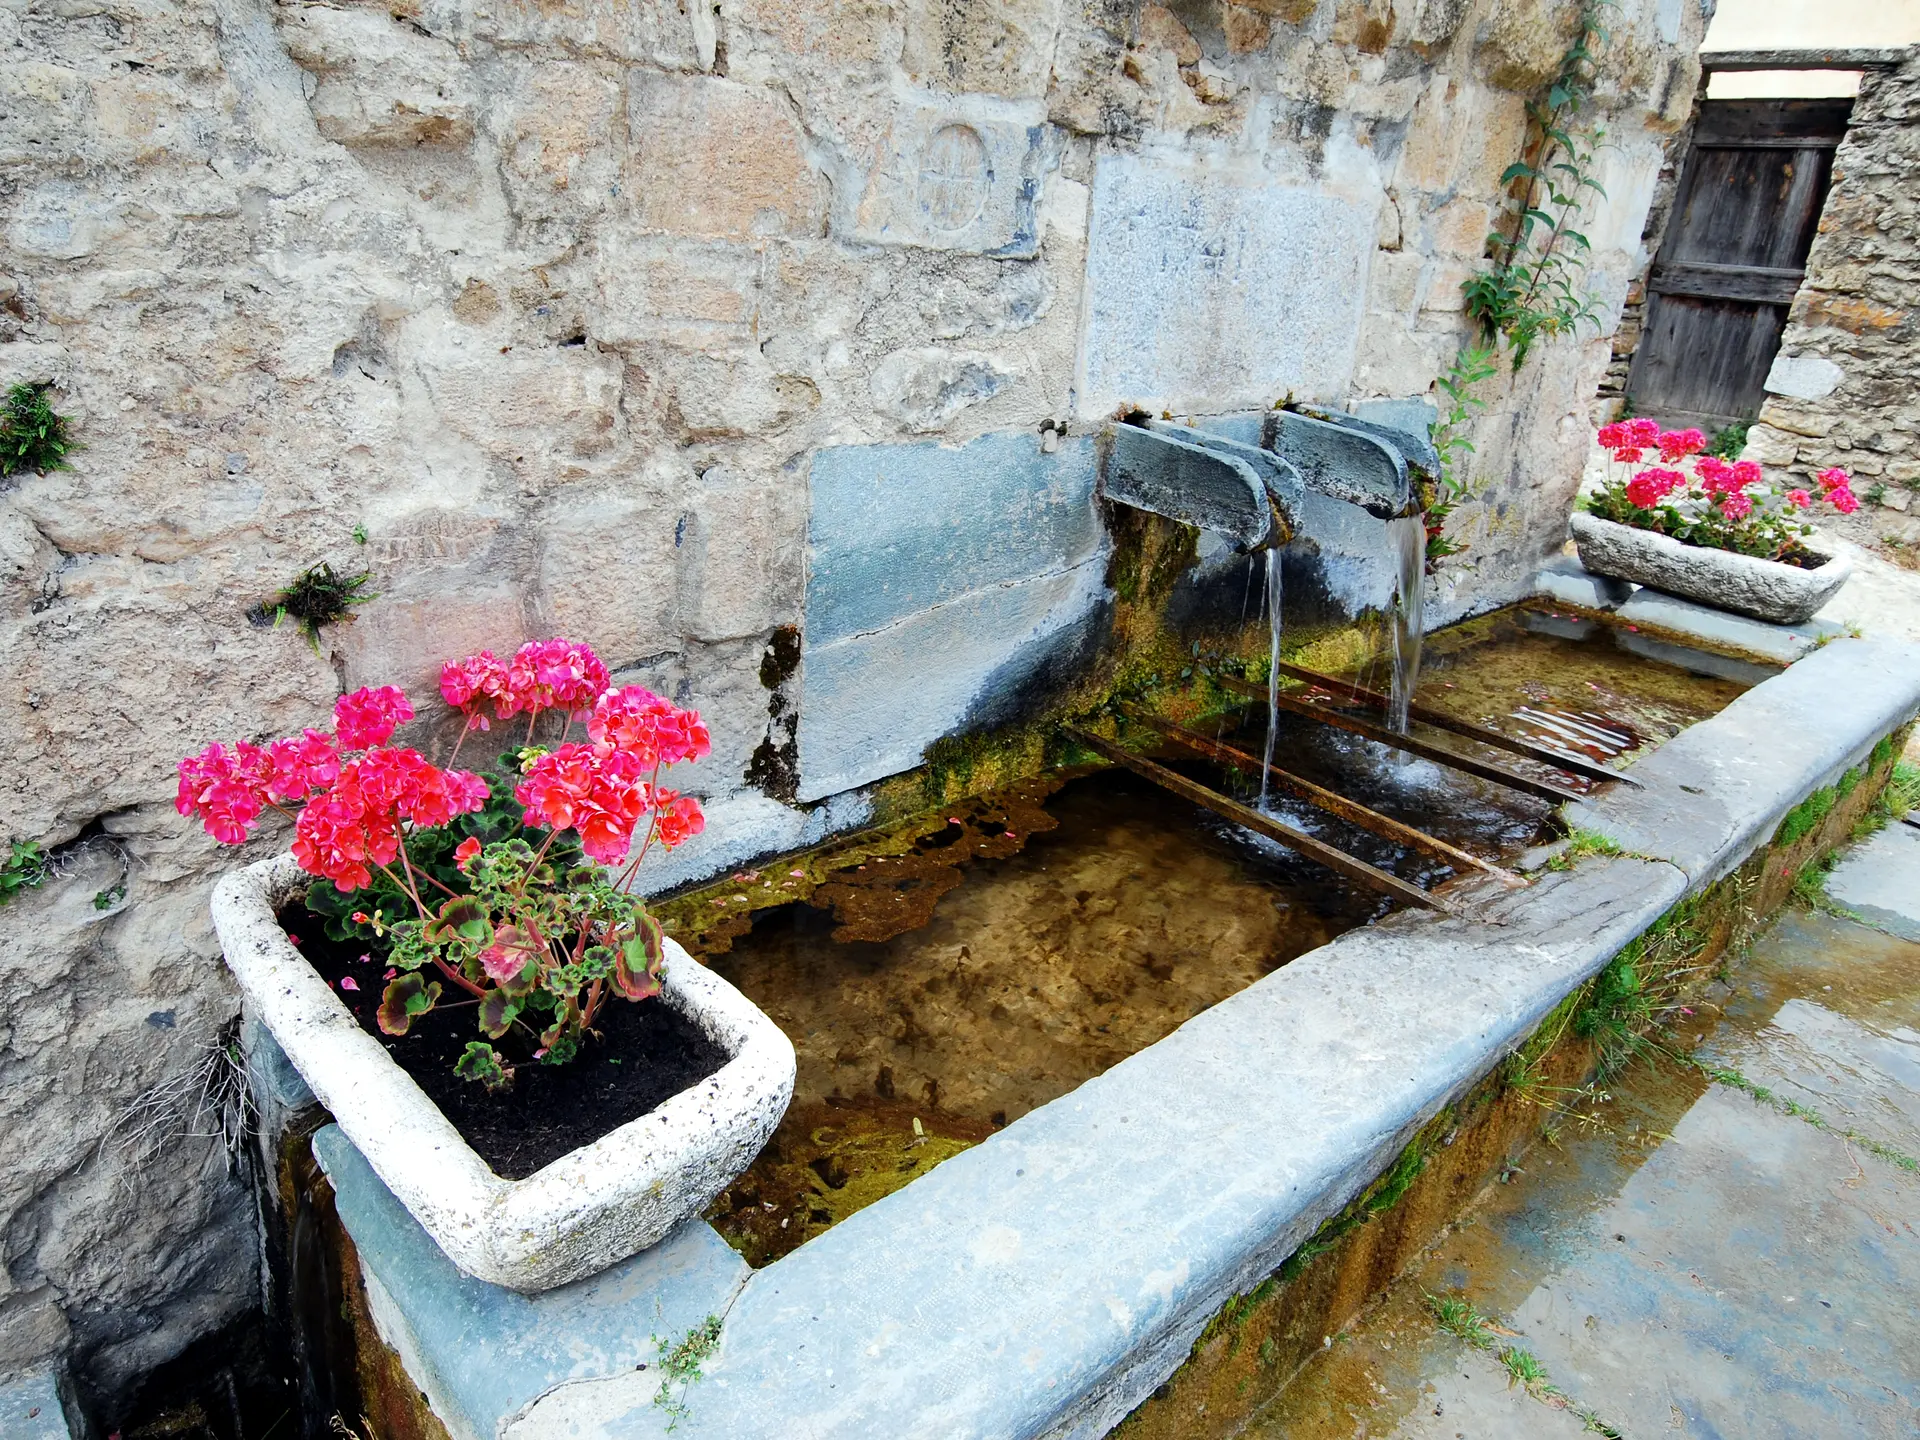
{"x":1407,"y":537}
{"x":1273,"y":666}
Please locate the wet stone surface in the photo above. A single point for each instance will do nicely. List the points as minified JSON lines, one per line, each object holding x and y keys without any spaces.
{"x":1696,"y":1262}
{"x":1134,"y":913}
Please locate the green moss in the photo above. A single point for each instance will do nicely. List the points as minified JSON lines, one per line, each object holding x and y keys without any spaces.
{"x":1807,"y":816}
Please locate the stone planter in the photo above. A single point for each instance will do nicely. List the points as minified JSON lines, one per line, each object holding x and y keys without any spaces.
{"x":1744,"y":584}
{"x":599,"y":1204}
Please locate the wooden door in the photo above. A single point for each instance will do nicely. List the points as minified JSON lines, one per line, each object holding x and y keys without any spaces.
{"x":1734,"y":253}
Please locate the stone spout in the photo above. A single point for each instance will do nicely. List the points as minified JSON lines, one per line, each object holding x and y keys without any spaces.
{"x":1349,"y":459}
{"x":1201,"y":480}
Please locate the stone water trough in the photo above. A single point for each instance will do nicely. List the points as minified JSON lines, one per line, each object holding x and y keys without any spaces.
{"x":1046,"y":1281}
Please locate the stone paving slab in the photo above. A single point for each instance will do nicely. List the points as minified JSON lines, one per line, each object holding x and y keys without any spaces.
{"x":31,"y":1409}
{"x":1880,"y":881}
{"x":1698,"y":1264}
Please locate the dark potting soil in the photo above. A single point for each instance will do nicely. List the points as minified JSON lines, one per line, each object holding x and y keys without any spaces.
{"x":646,"y":1052}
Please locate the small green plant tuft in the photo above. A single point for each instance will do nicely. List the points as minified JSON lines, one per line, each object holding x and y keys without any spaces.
{"x":680,"y":1365}
{"x":1729,"y":440}
{"x":319,"y":596}
{"x":111,"y":896}
{"x":1581,"y":844}
{"x":32,"y":436}
{"x":25,"y":868}
{"x":1525,"y":1370}
{"x":1459,"y":1316}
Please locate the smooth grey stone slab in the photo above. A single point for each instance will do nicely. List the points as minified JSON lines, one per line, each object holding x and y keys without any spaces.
{"x":482,"y":1353}
{"x":1160,"y":470}
{"x":1718,"y":790}
{"x":1207,"y":288}
{"x":896,"y":529}
{"x":1879,"y":881}
{"x":873,"y":702}
{"x":1781,"y":644}
{"x":1565,"y":579}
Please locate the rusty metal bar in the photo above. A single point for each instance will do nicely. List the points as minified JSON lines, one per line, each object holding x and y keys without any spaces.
{"x":1546,"y":755}
{"x":1352,"y":811}
{"x":1332,"y":857}
{"x":1426,"y":749}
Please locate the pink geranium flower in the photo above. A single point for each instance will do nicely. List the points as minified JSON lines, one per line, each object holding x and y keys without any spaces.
{"x":369,"y":717}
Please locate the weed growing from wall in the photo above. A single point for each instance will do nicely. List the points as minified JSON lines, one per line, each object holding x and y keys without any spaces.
{"x":26,"y":867}
{"x":32,"y":436}
{"x":318,"y":596}
{"x":1533,"y":287}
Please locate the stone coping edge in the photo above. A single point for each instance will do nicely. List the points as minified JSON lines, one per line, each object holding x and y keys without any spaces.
{"x":1044,"y":1282}
{"x":583,"y":1212}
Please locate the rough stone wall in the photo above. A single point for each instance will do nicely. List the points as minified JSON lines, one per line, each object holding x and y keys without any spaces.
{"x":554,"y":304}
{"x":1842,"y":391}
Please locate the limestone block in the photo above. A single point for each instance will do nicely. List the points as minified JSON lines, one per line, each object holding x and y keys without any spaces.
{"x":1395,"y":283}
{"x":425,"y":619}
{"x":1438,"y":19}
{"x":1161,"y":30}
{"x":1210,"y":288}
{"x":653,"y":32}
{"x":697,"y":294}
{"x":1804,"y":377}
{"x":740,"y":554}
{"x":1293,"y":12}
{"x":963,"y":175}
{"x":1366,"y":25}
{"x":43,"y":112}
{"x":1247,"y":30}
{"x":1769,"y":446}
{"x":737,"y":392}
{"x":1523,"y":41}
{"x":1796,"y":420}
{"x":557,"y":137}
{"x":1000,"y":49}
{"x":926,"y":386}
{"x":140,"y":117}
{"x":380,"y":81}
{"x":608,"y":568}
{"x":860,"y":31}
{"x":1460,"y":229}
{"x":528,"y":404}
{"x":709,"y":157}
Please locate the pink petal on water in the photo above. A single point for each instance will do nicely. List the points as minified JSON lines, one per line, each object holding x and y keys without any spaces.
{"x":390,"y":974}
{"x":347,"y":982}
{"x":798,"y":874}
{"x":366,"y":959}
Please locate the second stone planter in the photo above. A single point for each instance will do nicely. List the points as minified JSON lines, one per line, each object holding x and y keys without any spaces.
{"x":597,"y":1205}
{"x":1744,"y":584}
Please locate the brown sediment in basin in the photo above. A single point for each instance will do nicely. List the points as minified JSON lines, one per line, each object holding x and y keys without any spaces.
{"x":1103,"y":935}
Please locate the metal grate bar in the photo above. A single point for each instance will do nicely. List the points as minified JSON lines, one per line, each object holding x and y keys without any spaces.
{"x":1426,"y":749}
{"x":1331,"y":856}
{"x":1352,"y":811}
{"x":1545,"y":754}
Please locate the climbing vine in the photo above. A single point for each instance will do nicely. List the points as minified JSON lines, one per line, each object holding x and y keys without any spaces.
{"x":1533,"y":286}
